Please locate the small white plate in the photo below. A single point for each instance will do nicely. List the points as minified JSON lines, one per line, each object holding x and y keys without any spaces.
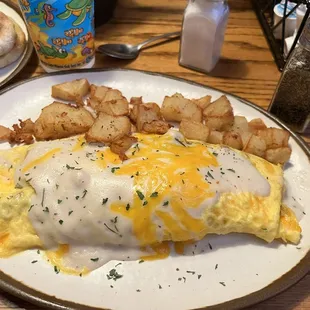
{"x":7,"y":73}
{"x":236,"y":270}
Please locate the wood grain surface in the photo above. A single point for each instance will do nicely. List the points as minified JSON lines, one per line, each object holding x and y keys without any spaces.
{"x":246,"y":69}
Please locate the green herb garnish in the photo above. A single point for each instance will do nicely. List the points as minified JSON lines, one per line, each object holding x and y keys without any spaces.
{"x":95,"y":259}
{"x":84,"y":193}
{"x":141,"y":196}
{"x":72,"y":168}
{"x":114,"y":275}
{"x":176,"y":139}
{"x":210,"y":175}
{"x":114,"y":169}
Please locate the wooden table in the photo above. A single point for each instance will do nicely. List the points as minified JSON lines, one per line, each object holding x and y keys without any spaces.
{"x":246,"y":69}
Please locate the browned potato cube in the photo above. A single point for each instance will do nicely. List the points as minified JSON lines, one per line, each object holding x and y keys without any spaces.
{"x":136,"y":100}
{"x":215,"y":137}
{"x":108,"y":100}
{"x":27,"y":126}
{"x":121,"y":145}
{"x":108,"y":128}
{"x":278,"y":155}
{"x":60,"y":120}
{"x":219,"y":114}
{"x":159,"y":127}
{"x":118,"y":107}
{"x":133,"y":128}
{"x":203,"y":102}
{"x":176,"y":108}
{"x":71,"y":90}
{"x":274,"y":137}
{"x":240,"y":124}
{"x":255,"y":146}
{"x":5,"y":133}
{"x":146,"y":113}
{"x":232,"y":139}
{"x":98,"y":92}
{"x":194,"y":130}
{"x":113,"y":94}
{"x":257,"y":124}
{"x":245,"y":137}
{"x":133,"y":114}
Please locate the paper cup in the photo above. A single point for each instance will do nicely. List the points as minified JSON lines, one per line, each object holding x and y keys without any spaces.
{"x":62,"y":32}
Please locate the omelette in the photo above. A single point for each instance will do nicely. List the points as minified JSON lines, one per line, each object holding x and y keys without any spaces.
{"x":84,"y":206}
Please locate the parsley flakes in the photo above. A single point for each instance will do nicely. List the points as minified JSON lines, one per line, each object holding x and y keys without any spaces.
{"x":114,"y":275}
{"x":95,"y":259}
{"x":114,"y":169}
{"x":141,"y":196}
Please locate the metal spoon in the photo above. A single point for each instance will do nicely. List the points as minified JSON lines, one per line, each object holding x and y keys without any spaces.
{"x":128,"y":51}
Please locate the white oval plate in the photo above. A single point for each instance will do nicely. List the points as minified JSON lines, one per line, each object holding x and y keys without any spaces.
{"x":233,"y":272}
{"x":7,"y":73}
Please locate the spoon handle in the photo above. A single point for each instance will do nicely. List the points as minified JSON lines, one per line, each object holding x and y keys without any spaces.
{"x":166,"y":35}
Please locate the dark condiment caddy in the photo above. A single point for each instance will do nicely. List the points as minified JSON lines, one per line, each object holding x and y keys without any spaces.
{"x":104,"y":11}
{"x":264,"y":12}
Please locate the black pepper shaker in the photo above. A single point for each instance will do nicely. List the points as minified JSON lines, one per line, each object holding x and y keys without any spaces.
{"x":291,"y":101}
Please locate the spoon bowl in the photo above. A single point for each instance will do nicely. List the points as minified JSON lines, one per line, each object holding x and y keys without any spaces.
{"x":128,"y":51}
{"x":121,"y":51}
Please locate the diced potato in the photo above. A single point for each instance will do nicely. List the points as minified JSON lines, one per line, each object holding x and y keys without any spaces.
{"x":255,"y":146}
{"x":118,"y":107}
{"x":194,"y":130}
{"x":232,"y":139}
{"x":159,"y":127}
{"x":203,"y":102}
{"x":60,"y":120}
{"x":256,"y":124}
{"x":278,"y":155}
{"x":274,"y":137}
{"x":113,"y":94}
{"x":176,"y":108}
{"x":71,"y":90}
{"x":146,"y":113}
{"x":108,"y":128}
{"x":215,"y":137}
{"x":245,"y":137}
{"x":27,"y":126}
{"x":121,"y":145}
{"x":108,"y":100}
{"x":23,"y":133}
{"x":136,"y":100}
{"x":133,"y":128}
{"x":98,"y":92}
{"x":5,"y":133}
{"x":133,"y":114}
{"x":240,"y":124}
{"x":26,"y":138}
{"x":219,"y":114}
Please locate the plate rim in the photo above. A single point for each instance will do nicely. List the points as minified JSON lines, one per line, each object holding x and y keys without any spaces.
{"x":278,"y":286}
{"x":29,"y":46}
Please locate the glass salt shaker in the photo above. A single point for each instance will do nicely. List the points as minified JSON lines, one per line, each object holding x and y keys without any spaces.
{"x":203,"y":31}
{"x":291,"y":101}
